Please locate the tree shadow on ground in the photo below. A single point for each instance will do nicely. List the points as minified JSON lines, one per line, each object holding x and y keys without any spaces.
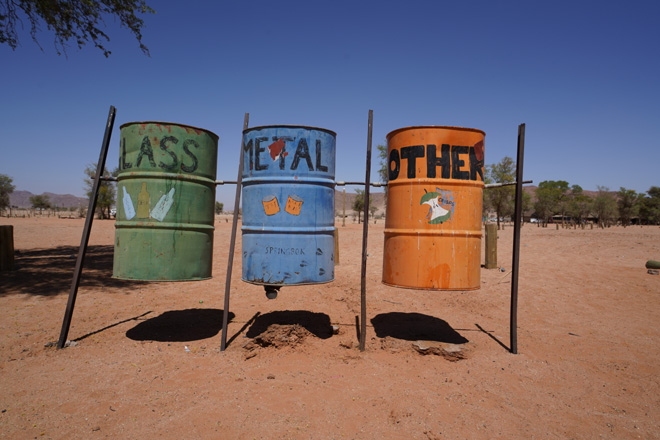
{"x":415,"y":327}
{"x":179,"y":326}
{"x":316,"y":323}
{"x":49,"y":272}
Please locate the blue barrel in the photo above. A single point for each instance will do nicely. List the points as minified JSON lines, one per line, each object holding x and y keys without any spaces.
{"x":288,"y":205}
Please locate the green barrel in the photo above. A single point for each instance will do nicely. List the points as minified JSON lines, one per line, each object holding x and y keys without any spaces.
{"x":165,"y":202}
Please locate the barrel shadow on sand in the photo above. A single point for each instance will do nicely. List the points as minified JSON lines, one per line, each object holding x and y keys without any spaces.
{"x":179,"y":326}
{"x":415,"y":327}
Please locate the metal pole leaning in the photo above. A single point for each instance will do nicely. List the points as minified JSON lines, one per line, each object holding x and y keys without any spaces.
{"x":516,"y":240}
{"x":365,"y":231}
{"x":100,"y":166}
{"x":232,"y":244}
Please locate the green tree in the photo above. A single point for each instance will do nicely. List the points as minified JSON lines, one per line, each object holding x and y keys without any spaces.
{"x":358,"y":204}
{"x":604,"y":206}
{"x":383,"y":171}
{"x":219,"y":207}
{"x":649,"y":206}
{"x":372,"y":209}
{"x":40,"y":202}
{"x":486,"y":206}
{"x":6,"y":188}
{"x":551,"y":199}
{"x":501,"y":199}
{"x":526,"y":203}
{"x":579,"y":204}
{"x":71,"y":21}
{"x":107,"y":193}
{"x":627,"y":202}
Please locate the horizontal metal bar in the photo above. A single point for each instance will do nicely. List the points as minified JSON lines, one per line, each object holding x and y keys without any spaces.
{"x":341,"y":183}
{"x":497,"y":185}
{"x":338,"y":183}
{"x":376,"y":184}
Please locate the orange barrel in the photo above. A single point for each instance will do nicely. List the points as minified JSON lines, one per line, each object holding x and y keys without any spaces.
{"x":434,"y":202}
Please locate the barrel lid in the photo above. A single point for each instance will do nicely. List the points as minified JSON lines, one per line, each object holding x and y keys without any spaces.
{"x":304,"y":127}
{"x":446,"y":127}
{"x":169,"y":123}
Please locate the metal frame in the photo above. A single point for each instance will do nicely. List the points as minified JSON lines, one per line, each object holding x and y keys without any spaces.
{"x":232,"y":244}
{"x":100,"y":166}
{"x":365,"y":233}
{"x":513,"y":330}
{"x":367,"y":184}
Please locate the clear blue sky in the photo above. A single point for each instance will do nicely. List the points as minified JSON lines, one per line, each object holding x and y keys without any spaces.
{"x":583,"y":75}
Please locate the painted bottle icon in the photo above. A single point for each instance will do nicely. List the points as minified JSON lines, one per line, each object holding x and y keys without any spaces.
{"x":129,"y":211}
{"x":143,"y":202}
{"x":163,"y":206}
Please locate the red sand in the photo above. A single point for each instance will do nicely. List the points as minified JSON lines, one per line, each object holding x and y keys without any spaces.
{"x":588,"y":363}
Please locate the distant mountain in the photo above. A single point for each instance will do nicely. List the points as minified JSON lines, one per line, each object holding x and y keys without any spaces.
{"x":21,"y":199}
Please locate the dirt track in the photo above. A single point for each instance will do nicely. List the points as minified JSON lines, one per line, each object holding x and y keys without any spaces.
{"x":147,"y":361}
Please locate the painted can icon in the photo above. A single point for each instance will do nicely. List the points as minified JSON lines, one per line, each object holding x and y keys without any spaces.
{"x":293,"y":205}
{"x":271,"y":206}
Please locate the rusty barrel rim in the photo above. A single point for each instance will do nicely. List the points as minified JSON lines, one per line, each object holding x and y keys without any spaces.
{"x":302,"y":127}
{"x":432,"y":289}
{"x":425,"y":127}
{"x":170,"y":123}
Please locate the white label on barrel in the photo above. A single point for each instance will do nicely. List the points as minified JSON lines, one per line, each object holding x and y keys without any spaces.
{"x":129,"y":211}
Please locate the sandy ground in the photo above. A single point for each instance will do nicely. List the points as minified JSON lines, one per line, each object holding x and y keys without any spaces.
{"x":148,"y":364}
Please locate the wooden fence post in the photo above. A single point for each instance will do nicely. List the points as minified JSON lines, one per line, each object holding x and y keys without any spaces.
{"x":6,"y":248}
{"x":491,"y":246}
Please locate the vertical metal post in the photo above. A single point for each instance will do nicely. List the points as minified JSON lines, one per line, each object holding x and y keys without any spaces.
{"x":232,"y":244}
{"x":365,"y":231}
{"x":100,"y":166}
{"x":516,"y":240}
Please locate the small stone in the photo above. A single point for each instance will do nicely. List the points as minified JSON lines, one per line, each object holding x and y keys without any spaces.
{"x":421,"y":346}
{"x":335,"y":329}
{"x":270,"y":376}
{"x":96,"y":428}
{"x":451,"y":352}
